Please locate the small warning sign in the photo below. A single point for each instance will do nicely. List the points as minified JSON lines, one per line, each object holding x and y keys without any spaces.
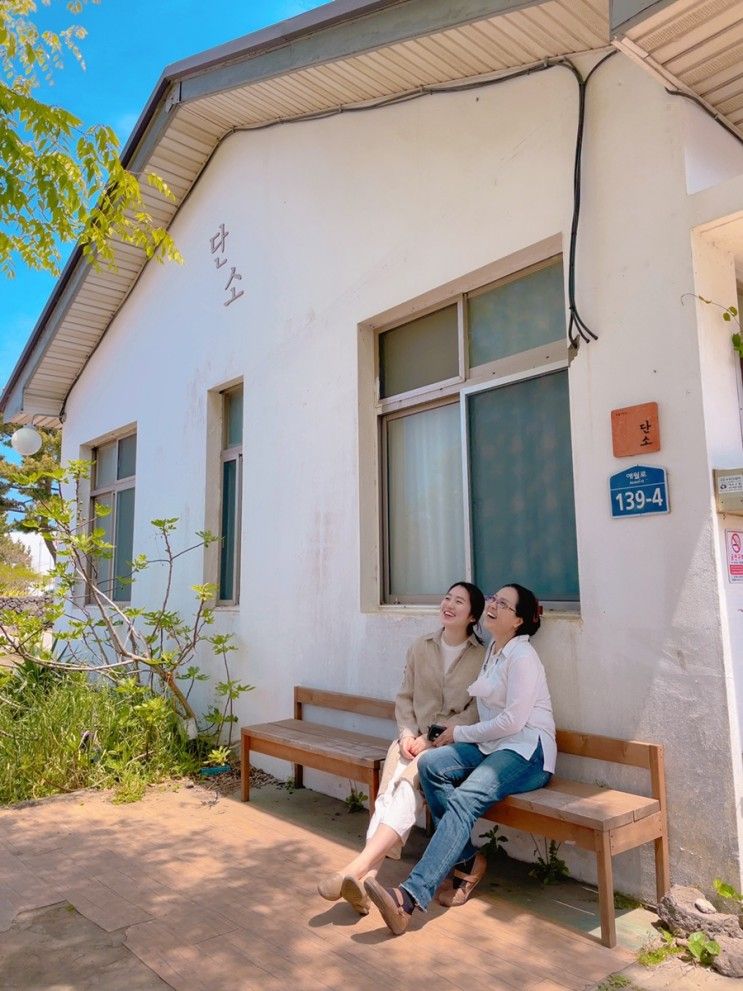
{"x":734,"y":546}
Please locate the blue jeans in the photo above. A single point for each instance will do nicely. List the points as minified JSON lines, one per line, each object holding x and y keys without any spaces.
{"x":460,"y":783}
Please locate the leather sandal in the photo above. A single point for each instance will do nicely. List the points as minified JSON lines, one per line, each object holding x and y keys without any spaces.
{"x":464,"y":884}
{"x":389,"y":902}
{"x":355,"y":895}
{"x":330,"y":887}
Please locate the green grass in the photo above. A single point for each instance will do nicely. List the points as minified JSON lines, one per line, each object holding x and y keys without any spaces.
{"x":656,"y":953}
{"x":132,"y":737}
{"x":625,"y":901}
{"x":614,"y":982}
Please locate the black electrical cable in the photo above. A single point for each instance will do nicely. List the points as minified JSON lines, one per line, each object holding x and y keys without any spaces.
{"x":578,"y":329}
{"x":584,"y":332}
{"x":576,"y":321}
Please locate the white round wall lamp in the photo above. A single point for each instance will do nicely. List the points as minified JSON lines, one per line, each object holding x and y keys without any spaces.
{"x":26,"y":440}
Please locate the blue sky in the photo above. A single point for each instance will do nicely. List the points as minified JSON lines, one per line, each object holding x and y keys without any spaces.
{"x":128,"y":45}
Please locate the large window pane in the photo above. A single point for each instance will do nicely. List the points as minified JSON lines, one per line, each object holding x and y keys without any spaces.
{"x":424,"y":498}
{"x":419,"y":353}
{"x":517,"y":316}
{"x":228,"y":532}
{"x":124,"y":545}
{"x":523,"y":511}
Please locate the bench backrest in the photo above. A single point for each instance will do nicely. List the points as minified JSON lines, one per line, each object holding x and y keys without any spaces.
{"x":359,"y":704}
{"x":632,"y":752}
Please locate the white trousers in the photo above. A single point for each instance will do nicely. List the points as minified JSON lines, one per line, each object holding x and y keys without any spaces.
{"x":398,"y":806}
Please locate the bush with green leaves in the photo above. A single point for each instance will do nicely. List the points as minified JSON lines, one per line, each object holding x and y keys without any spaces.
{"x":60,"y":731}
{"x":128,"y":649}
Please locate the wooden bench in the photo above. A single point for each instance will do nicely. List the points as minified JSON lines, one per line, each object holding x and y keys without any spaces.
{"x":351,"y":755}
{"x":600,"y":819}
{"x":595,"y":818}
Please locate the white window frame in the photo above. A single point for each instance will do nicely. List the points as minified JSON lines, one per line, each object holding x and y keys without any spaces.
{"x":522,"y":366}
{"x":112,"y":488}
{"x":233,"y":453}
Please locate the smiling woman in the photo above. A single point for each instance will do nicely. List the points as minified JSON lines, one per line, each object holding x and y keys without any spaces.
{"x":433,"y":694}
{"x":510,"y":749}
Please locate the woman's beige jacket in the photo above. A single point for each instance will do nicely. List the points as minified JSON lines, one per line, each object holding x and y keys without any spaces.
{"x":427,"y":696}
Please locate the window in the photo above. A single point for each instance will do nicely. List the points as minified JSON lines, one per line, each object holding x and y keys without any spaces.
{"x":114,"y":467}
{"x":474,"y":428}
{"x":231,"y":492}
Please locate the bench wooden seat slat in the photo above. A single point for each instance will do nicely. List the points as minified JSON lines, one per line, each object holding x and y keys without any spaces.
{"x":318,"y":739}
{"x":585,"y":804}
{"x":603,"y":820}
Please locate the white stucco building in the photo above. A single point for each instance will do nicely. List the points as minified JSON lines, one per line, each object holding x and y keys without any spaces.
{"x":362,"y":375}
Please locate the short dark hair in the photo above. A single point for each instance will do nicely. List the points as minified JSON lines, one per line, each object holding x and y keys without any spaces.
{"x":477,"y":604}
{"x":527,"y":609}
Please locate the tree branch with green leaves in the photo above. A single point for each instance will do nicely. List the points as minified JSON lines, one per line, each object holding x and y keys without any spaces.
{"x":113,"y":639}
{"x":61,"y":181}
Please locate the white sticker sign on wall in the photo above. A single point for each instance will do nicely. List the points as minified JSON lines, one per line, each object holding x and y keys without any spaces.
{"x":734,"y":552}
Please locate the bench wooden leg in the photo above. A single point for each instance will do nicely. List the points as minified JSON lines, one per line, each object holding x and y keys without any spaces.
{"x":605,"y":876}
{"x":298,"y":776}
{"x":662,"y":871}
{"x":245,"y":766}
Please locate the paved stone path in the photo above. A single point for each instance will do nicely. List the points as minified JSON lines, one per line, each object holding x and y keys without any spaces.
{"x":214,"y":895}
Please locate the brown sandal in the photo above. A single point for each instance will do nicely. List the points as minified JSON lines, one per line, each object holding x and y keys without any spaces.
{"x":355,"y":895}
{"x":389,"y":901}
{"x":459,"y":894}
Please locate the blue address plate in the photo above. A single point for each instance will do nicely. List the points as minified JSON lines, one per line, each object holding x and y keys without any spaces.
{"x":638,"y":491}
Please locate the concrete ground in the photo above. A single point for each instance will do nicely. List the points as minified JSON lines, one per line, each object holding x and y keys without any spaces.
{"x":191,"y":890}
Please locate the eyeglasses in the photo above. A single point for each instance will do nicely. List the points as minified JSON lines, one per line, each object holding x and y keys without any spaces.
{"x":500,"y":603}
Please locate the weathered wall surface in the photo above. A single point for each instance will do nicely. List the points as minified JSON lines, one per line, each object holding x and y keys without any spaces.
{"x":334,"y":221}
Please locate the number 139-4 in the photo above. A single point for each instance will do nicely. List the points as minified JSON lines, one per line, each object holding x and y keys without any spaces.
{"x":630,"y":500}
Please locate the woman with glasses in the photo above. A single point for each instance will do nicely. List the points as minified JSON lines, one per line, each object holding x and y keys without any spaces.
{"x":510,"y":749}
{"x":434,"y":692}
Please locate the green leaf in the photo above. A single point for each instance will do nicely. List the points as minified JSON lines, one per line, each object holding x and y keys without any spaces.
{"x":726,"y":890}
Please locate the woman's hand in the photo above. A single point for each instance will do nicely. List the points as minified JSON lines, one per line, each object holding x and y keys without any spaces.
{"x":418,"y":745}
{"x":406,"y":742}
{"x":446,"y":737}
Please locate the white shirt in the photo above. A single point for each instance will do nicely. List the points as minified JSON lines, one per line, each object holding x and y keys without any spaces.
{"x":513,"y":703}
{"x":449,"y":653}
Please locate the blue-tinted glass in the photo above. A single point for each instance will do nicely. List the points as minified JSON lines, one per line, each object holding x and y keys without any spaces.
{"x":517,"y":316}
{"x":233,"y":413}
{"x":521,"y":477}
{"x":419,"y":353}
{"x":228,"y":531}
{"x":127,"y":459}
{"x":122,"y":591}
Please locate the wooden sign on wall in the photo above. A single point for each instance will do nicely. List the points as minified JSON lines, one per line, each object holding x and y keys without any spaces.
{"x":635,"y":430}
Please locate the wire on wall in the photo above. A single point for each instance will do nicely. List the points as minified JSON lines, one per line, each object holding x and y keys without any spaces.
{"x":578,"y":329}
